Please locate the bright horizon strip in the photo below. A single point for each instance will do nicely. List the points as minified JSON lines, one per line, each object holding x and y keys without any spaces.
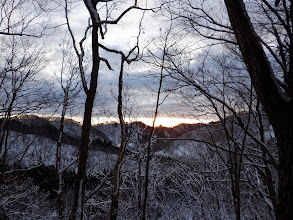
{"x":160,"y":121}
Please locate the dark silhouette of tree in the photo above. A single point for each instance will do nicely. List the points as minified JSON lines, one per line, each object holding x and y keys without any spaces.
{"x":261,"y":33}
{"x":277,"y":101}
{"x":99,"y":29}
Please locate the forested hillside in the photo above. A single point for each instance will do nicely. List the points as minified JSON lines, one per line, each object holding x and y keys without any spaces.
{"x":189,"y":178}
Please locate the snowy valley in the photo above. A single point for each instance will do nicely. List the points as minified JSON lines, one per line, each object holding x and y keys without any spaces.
{"x":191,"y":171}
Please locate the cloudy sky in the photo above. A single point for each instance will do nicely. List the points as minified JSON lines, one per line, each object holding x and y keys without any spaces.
{"x":141,"y":79}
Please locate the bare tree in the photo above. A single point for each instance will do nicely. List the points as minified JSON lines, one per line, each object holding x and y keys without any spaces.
{"x":25,"y":18}
{"x":22,"y":60}
{"x":159,"y":62}
{"x":233,"y":103}
{"x":70,"y":88}
{"x":262,"y":32}
{"x":123,"y":139}
{"x":99,"y":29}
{"x":18,"y":84}
{"x":277,"y":102}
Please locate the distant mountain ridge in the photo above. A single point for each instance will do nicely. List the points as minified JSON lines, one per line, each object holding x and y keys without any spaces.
{"x":48,"y":127}
{"x":106,"y":137}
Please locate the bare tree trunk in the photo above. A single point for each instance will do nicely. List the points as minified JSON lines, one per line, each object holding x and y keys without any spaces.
{"x":117,"y":169}
{"x":285,"y":187}
{"x":277,"y":104}
{"x":77,"y":210}
{"x":267,"y":174}
{"x":5,"y":135}
{"x":60,"y":204}
{"x":139,"y":187}
{"x":146,"y":183}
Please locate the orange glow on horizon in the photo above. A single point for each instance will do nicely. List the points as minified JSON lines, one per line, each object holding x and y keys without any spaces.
{"x":160,"y":121}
